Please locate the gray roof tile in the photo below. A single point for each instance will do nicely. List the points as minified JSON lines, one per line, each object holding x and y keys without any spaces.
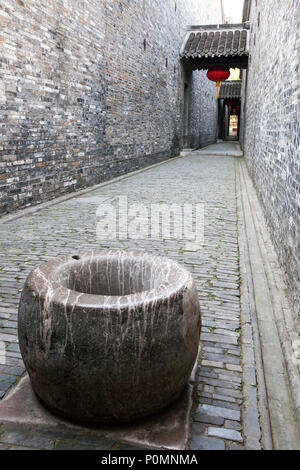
{"x":223,"y":41}
{"x":231,"y":89}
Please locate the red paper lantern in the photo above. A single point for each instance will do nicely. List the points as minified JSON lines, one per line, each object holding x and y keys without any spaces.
{"x":218,"y":75}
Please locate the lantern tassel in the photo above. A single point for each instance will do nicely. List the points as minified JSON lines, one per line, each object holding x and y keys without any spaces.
{"x":218,"y":89}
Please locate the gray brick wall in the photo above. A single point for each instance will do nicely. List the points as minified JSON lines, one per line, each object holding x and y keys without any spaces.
{"x":93,"y":89}
{"x":204,"y":111}
{"x":272,"y":130}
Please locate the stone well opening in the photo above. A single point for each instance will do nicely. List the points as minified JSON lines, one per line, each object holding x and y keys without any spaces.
{"x":112,"y":275}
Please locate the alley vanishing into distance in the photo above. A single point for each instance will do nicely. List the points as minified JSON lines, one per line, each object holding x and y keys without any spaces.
{"x":235,"y":403}
{"x":132,"y":130}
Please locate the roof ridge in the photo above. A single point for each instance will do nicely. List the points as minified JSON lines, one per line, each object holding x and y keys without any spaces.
{"x":217,"y":27}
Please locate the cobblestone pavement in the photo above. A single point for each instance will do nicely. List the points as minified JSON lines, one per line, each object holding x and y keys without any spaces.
{"x":219,"y":418}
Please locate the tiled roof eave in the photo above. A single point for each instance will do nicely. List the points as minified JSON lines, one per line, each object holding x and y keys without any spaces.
{"x":231,"y":89}
{"x":206,"y":42}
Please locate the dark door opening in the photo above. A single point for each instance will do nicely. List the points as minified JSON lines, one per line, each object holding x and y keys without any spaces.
{"x":229,"y":111}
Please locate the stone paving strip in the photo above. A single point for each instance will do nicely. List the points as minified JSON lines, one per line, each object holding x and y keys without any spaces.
{"x":268,"y":332}
{"x":220,"y":419}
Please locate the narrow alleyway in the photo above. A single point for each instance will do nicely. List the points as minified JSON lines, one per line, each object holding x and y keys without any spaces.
{"x":227,"y":411}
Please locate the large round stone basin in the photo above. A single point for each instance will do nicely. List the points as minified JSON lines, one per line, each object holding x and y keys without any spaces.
{"x":109,"y":336}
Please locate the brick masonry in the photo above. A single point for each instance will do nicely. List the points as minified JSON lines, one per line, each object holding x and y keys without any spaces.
{"x":203,"y":111}
{"x":95,"y":91}
{"x":272,"y":127}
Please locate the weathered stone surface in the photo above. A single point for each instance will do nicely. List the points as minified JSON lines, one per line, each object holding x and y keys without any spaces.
{"x":229,"y":434}
{"x":219,"y":411}
{"x":198,"y":428}
{"x":218,"y":338}
{"x":109,"y":336}
{"x":236,"y":447}
{"x":251,"y":423}
{"x":205,"y":418}
{"x":206,"y":443}
{"x":233,"y":425}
